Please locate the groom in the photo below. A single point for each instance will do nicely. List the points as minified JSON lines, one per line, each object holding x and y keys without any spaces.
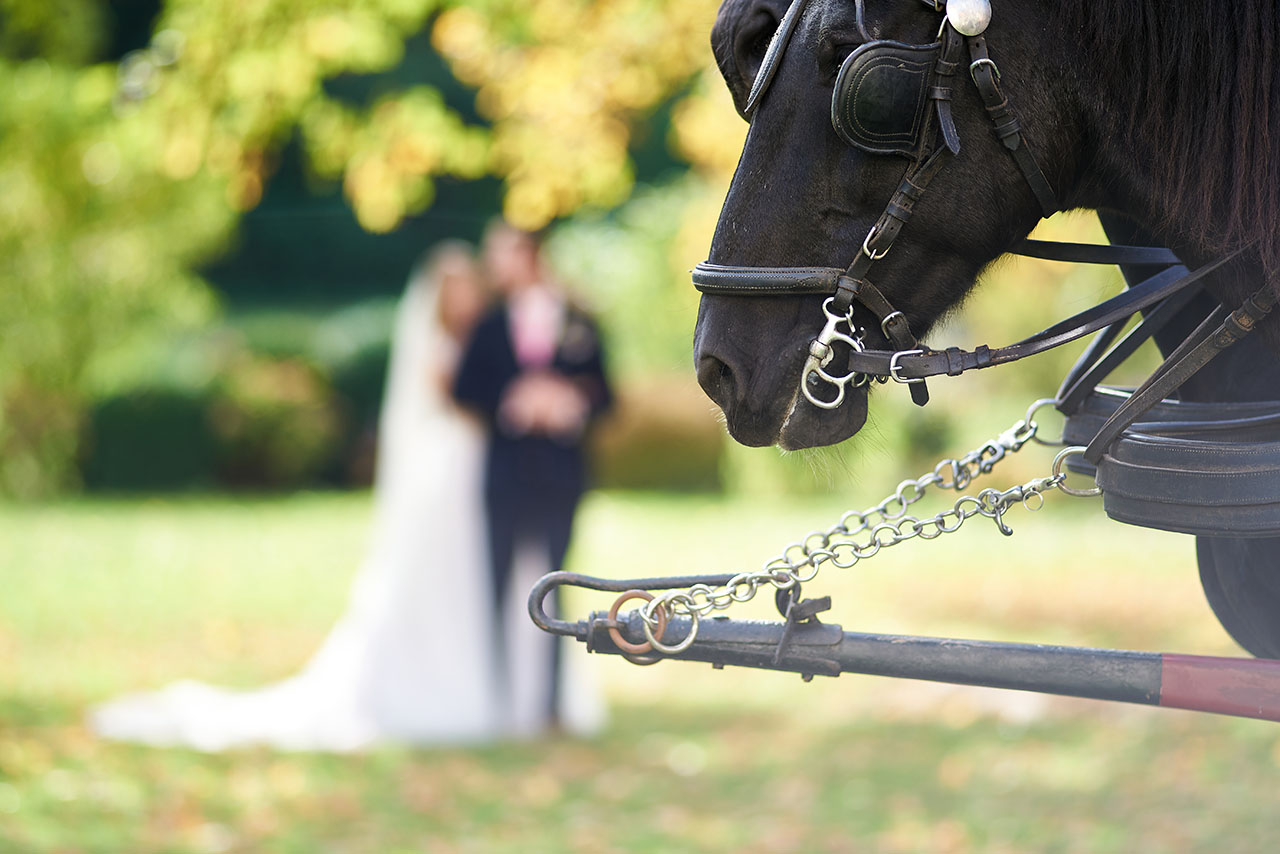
{"x":533,"y":370}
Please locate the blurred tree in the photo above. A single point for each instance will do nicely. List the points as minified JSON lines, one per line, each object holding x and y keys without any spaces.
{"x":562,"y":81}
{"x":118,"y":178}
{"x":65,"y":30}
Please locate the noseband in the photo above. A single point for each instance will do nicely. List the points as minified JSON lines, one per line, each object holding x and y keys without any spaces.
{"x":890,"y":98}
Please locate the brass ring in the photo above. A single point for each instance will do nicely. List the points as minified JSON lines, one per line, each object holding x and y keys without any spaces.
{"x":616,"y":636}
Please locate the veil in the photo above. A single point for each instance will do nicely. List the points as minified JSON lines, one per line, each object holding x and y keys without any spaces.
{"x":411,"y":659}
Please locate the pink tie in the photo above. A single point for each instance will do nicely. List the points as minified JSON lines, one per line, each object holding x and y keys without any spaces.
{"x":535,"y":321}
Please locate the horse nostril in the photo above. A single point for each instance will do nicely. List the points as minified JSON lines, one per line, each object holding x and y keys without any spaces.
{"x":716,"y":379}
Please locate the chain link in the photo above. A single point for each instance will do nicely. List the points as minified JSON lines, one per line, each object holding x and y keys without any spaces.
{"x":860,"y":535}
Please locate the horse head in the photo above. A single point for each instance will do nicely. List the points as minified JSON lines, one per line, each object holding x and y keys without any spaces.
{"x":817,"y":171}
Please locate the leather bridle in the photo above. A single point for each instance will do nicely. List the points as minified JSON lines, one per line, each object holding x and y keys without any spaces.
{"x":851,"y":285}
{"x":909,"y":361}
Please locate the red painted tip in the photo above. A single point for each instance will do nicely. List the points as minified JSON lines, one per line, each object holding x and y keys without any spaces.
{"x":1245,"y":687}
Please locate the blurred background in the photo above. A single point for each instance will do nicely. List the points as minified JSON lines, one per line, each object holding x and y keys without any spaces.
{"x":207,"y":213}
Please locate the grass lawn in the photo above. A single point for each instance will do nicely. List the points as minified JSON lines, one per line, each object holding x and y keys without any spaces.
{"x":102,"y":596}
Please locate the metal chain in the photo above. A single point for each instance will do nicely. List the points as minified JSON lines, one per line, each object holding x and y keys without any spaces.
{"x":886,"y":524}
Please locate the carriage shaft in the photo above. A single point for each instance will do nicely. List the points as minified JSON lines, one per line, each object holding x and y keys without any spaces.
{"x":1231,"y":686}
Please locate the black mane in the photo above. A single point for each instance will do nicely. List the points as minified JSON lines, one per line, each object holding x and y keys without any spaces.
{"x":1200,"y":78}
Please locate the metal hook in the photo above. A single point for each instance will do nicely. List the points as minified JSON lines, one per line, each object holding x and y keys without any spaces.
{"x":553,"y":580}
{"x":821,"y":353}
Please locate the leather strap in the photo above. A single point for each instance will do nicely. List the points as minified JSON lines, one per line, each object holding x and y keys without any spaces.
{"x":1095,"y":253}
{"x":944,"y":70}
{"x":1216,"y":333}
{"x":1218,"y":425}
{"x":909,"y":366}
{"x":1175,"y":417}
{"x":986,"y":77}
{"x":893,"y":323}
{"x":891,"y":222}
{"x":1086,"y":375}
{"x":868,"y":295}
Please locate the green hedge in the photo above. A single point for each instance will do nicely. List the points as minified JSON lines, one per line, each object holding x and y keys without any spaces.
{"x":150,"y":439}
{"x":262,"y":423}
{"x":290,"y":399}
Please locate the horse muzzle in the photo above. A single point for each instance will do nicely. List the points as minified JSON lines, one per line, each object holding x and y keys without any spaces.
{"x":760,"y":393}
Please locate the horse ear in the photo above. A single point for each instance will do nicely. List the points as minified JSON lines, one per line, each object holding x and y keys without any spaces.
{"x":742,"y":30}
{"x":969,"y":17}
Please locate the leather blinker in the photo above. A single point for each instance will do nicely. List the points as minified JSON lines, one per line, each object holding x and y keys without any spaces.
{"x":881,"y":97}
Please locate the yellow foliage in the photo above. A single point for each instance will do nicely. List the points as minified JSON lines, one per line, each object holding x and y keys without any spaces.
{"x":561,"y":80}
{"x":117,"y":180}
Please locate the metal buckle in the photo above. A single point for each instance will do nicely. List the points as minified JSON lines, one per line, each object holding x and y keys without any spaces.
{"x":894,"y":367}
{"x":866,"y":246}
{"x":884,"y":324}
{"x":984,"y":60}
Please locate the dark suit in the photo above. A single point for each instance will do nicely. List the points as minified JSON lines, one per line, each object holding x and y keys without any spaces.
{"x":532,"y":482}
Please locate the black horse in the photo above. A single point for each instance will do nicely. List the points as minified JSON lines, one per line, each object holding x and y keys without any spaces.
{"x":1164,"y":117}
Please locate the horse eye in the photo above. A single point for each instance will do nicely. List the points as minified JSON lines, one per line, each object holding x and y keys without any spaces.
{"x":831,"y":59}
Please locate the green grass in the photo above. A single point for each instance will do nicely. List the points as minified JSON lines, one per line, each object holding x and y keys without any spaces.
{"x":103,"y":596}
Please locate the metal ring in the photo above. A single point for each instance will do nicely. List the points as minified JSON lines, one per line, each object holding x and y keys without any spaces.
{"x":616,"y":636}
{"x":672,"y":649}
{"x":1071,"y":451}
{"x":831,"y":315}
{"x":817,"y":401}
{"x":1030,"y":418}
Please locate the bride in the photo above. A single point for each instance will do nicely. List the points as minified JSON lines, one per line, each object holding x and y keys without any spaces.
{"x":412,"y":659}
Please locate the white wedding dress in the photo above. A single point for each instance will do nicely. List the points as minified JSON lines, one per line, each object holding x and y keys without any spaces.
{"x":412,"y":659}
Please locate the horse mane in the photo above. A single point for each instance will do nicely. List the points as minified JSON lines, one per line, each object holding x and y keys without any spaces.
{"x":1201,"y":80}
